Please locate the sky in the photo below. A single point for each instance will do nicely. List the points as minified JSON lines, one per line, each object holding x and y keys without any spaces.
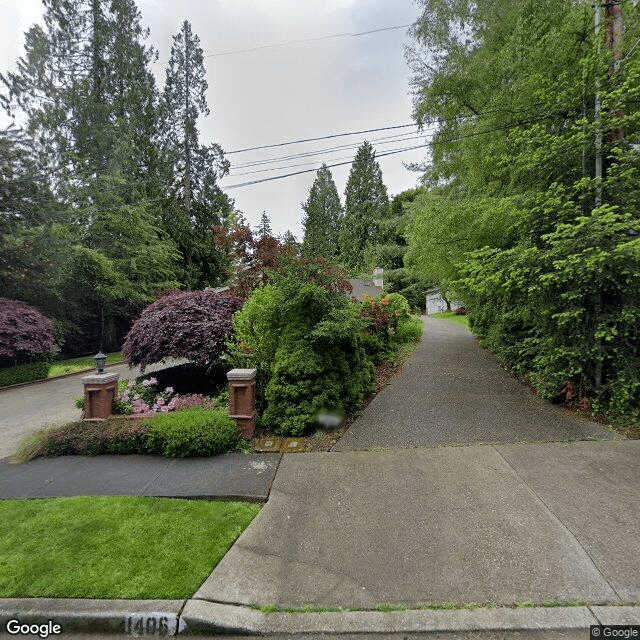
{"x":292,"y":91}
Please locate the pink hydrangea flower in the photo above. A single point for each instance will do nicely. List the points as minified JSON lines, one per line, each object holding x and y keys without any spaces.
{"x":160,"y":401}
{"x":169,"y":390}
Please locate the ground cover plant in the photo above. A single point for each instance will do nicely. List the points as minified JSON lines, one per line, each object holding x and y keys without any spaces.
{"x":132,"y":548}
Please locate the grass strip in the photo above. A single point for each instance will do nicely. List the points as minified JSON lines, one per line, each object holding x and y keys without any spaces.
{"x":427,"y":606}
{"x":453,"y":317}
{"x":61,"y":367}
{"x":129,"y":548}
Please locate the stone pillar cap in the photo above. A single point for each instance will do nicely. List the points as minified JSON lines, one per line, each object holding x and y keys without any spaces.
{"x":242,"y":374}
{"x":100,"y":378}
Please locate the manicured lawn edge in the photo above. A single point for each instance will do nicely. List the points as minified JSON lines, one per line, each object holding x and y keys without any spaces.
{"x":427,"y":606}
{"x":78,"y":365}
{"x":114,"y":548}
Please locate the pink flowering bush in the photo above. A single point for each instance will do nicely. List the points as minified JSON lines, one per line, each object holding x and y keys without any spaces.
{"x":195,"y":400}
{"x":25,"y":333}
{"x":142,"y":397}
{"x":187,"y":324}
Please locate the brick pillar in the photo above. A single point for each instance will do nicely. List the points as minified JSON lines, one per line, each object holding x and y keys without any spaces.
{"x":99,"y":391}
{"x":242,"y":400}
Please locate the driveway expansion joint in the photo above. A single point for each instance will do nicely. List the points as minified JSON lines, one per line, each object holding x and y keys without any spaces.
{"x":558,"y":519}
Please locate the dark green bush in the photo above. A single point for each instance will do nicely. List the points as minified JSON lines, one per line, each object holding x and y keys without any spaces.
{"x":24,"y":373}
{"x":301,"y":385}
{"x":307,"y":342}
{"x":193,"y":432}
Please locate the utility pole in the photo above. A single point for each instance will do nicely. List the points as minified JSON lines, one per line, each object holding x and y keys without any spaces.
{"x":614,"y":30}
{"x":597,"y":108}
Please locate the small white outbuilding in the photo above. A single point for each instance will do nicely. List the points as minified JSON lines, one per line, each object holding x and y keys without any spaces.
{"x":436,"y":303}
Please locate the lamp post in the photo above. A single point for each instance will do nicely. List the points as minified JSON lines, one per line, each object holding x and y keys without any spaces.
{"x":100,"y":389}
{"x":100,"y":359}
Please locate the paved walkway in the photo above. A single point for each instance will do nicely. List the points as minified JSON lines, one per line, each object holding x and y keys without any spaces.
{"x":26,"y":409}
{"x":496,"y":523}
{"x":452,"y":391}
{"x":232,"y":475}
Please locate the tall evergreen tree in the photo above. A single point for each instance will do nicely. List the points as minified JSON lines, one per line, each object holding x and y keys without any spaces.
{"x":263,"y":228}
{"x":196,"y":167}
{"x":89,"y":100}
{"x":323,"y":213}
{"x":366,"y":204}
{"x":84,"y":85}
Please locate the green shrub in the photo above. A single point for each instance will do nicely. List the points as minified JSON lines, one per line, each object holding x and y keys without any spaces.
{"x":24,"y":373}
{"x":307,"y":341}
{"x":193,"y":432}
{"x":409,"y":331}
{"x":302,"y":384}
{"x":93,"y":438}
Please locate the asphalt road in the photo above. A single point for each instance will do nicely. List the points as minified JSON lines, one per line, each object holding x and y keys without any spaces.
{"x":452,"y":391}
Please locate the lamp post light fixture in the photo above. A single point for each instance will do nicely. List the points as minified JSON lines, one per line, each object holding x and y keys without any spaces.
{"x":100,"y":359}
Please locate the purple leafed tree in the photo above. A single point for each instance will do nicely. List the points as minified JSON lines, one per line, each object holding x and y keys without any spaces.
{"x":25,"y":332}
{"x":188,"y":324}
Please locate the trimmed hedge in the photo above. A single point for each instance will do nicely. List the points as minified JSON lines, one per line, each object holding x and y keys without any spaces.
{"x":24,"y":373}
{"x":192,"y":432}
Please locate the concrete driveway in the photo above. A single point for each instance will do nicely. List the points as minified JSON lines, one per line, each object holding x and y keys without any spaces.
{"x":506,"y":523}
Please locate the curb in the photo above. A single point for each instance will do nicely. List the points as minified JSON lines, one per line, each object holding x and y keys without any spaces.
{"x":64,"y":375}
{"x":200,"y":617}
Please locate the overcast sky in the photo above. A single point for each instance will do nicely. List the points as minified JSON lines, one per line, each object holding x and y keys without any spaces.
{"x":277,"y":94}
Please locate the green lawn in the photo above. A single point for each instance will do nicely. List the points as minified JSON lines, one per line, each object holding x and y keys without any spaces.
{"x":451,"y":315}
{"x":130,"y":548}
{"x":72,"y":365}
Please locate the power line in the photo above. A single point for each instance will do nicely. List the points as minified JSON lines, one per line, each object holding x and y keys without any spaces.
{"x":301,"y":41}
{"x":394,"y":151}
{"x":232,"y":174}
{"x":335,"y":135}
{"x":306,"y":154}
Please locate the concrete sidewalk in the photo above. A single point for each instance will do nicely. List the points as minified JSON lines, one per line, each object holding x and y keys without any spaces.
{"x":499,"y":524}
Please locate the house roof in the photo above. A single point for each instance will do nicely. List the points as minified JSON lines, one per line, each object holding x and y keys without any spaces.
{"x":364,"y":287}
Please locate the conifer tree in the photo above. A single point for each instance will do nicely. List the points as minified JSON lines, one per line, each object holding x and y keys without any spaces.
{"x":89,"y":101}
{"x":366,"y":204}
{"x":263,"y":228}
{"x":196,"y":167}
{"x":323,"y":213}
